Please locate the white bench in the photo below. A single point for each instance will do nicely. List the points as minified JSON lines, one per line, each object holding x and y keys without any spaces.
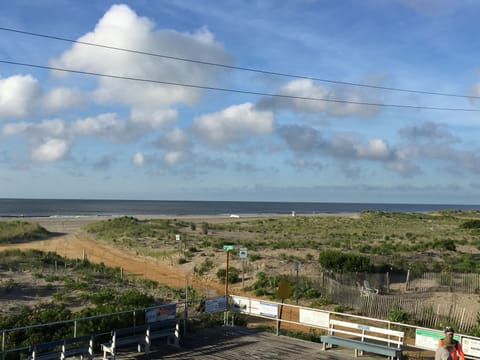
{"x":364,"y":338}
{"x":142,"y":336}
{"x":78,"y":346}
{"x":169,"y":329}
{"x":63,"y":349}
{"x":124,"y":337}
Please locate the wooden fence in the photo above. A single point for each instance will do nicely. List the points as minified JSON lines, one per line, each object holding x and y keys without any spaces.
{"x":452,"y":282}
{"x":421,"y":306}
{"x":417,"y":310}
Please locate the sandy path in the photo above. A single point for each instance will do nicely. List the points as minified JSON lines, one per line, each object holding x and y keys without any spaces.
{"x":76,"y":246}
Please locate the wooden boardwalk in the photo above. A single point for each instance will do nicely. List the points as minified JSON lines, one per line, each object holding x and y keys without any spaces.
{"x":239,"y":343}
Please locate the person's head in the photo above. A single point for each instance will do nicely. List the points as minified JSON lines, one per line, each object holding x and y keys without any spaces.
{"x":449,"y":331}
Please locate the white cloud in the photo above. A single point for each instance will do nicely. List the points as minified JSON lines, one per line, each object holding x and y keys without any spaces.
{"x":176,"y":139}
{"x":138,"y":159}
{"x":121,"y":27}
{"x":50,"y":128}
{"x":21,"y":95}
{"x":104,"y":126}
{"x":233,"y":124}
{"x":173,"y":157}
{"x":14,"y":129}
{"x":17,"y":95}
{"x":373,"y":149}
{"x":152,"y":120}
{"x":308,"y":90}
{"x":51,"y":150}
{"x":61,"y":98}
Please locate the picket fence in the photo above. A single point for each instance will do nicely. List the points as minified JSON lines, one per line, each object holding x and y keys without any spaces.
{"x":419,"y":307}
{"x":453,"y":282}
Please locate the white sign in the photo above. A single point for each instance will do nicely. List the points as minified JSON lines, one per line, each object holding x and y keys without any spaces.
{"x":316,"y":318}
{"x":268,"y":309}
{"x":162,"y":312}
{"x":241,"y":304}
{"x":471,"y":346}
{"x":177,"y":237}
{"x":254,"y":307}
{"x":428,"y":339}
{"x":216,"y":304}
{"x":242,"y":254}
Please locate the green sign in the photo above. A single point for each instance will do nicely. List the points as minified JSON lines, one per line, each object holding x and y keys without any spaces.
{"x":228,"y":247}
{"x":428,"y":339}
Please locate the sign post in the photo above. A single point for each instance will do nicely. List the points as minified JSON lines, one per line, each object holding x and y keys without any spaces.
{"x":297,"y":269}
{"x":283,"y":292}
{"x":227,"y":248}
{"x":242,"y":254}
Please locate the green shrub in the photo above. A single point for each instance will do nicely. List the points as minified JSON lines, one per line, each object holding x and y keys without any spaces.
{"x":342,"y":262}
{"x":397,"y":315}
{"x":253,"y":257}
{"x":204,"y":267}
{"x":471,"y":224}
{"x":233,"y":275}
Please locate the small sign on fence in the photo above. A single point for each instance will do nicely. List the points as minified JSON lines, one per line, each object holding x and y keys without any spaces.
{"x":216,"y":304}
{"x":471,"y":346}
{"x":159,"y":313}
{"x":428,"y":339}
{"x":313,"y":317}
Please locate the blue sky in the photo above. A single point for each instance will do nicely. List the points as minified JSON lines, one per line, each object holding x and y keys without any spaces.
{"x":68,"y":135}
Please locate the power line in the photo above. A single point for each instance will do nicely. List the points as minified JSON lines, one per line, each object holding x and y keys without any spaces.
{"x":266,"y":72}
{"x":285,"y":96}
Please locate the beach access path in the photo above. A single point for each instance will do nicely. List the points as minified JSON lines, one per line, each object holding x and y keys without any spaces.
{"x":72,"y":243}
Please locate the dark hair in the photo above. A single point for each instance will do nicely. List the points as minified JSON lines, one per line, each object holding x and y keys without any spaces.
{"x":449,"y":329}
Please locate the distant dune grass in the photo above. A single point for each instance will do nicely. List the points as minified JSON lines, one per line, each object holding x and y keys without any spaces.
{"x":394,"y":240}
{"x":20,"y":231}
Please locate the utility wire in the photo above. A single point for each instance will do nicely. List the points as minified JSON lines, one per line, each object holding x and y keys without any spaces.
{"x":266,"y":72}
{"x":285,"y":96}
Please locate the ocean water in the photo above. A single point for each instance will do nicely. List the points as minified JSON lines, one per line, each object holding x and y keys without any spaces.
{"x":78,"y":208}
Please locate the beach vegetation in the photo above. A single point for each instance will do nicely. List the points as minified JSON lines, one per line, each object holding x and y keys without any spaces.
{"x":254,"y":257}
{"x":78,"y":289}
{"x":384,"y":236}
{"x":204,"y":267}
{"x":233,"y":275}
{"x":204,"y":227}
{"x":20,"y":231}
{"x":340,"y":262}
{"x":471,"y":224}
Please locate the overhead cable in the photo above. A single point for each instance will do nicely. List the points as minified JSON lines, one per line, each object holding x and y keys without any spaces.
{"x":266,"y":72}
{"x":285,"y":96}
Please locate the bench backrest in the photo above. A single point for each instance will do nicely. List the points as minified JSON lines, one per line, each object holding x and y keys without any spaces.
{"x":162,"y":325}
{"x":367,"y":332}
{"x":51,"y":346}
{"x":79,"y":339}
{"x":134,"y":330}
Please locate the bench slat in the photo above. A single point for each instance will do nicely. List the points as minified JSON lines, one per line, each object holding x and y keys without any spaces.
{"x":362,"y":345}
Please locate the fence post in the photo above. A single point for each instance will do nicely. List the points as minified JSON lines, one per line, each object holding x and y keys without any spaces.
{"x":407,"y":280}
{"x":388,"y":282}
{"x":3,"y":344}
{"x":185,"y":309}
